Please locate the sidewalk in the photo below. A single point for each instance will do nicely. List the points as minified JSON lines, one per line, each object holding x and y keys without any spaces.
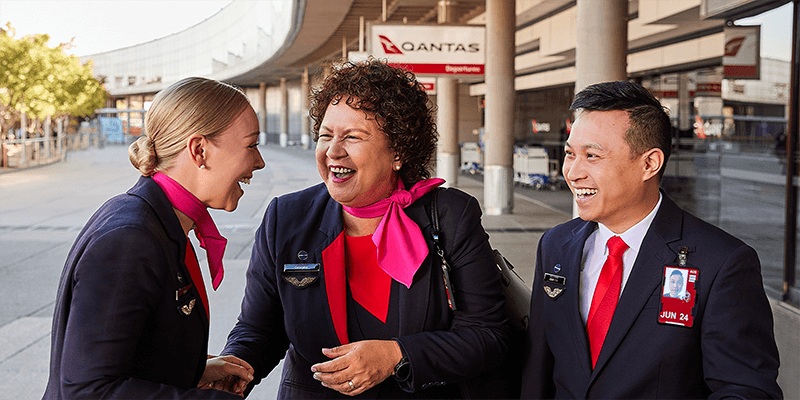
{"x":516,"y":235}
{"x":43,"y":209}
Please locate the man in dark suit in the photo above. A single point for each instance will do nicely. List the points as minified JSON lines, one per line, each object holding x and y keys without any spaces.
{"x":599,"y":326}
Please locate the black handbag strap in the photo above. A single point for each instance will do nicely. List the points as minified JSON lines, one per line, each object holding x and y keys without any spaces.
{"x":448,"y":286}
{"x":435,"y":216}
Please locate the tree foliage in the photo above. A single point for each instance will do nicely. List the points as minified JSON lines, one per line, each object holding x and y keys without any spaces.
{"x":42,"y":81}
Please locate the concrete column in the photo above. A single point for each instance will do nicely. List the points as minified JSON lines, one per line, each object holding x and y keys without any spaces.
{"x":684,"y":113}
{"x":127,"y":118}
{"x":284,"y":137}
{"x":48,"y":134}
{"x":446,"y":10}
{"x":262,"y":113}
{"x":602,"y":48}
{"x":361,"y":35}
{"x":60,"y":137}
{"x":500,"y":97}
{"x":447,"y":152}
{"x":23,"y":134}
{"x":305,"y":137}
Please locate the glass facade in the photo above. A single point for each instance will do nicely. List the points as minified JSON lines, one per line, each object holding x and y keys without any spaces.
{"x":728,"y":164}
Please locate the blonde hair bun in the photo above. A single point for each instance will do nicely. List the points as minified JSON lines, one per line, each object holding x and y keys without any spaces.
{"x":143,"y":156}
{"x":190,"y":106}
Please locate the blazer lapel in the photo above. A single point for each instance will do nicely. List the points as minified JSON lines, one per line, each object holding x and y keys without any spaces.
{"x":333,"y":274}
{"x":336,"y":285}
{"x":411,"y":301}
{"x":574,"y":250}
{"x":645,"y":276}
{"x":416,"y":298}
{"x":149,"y":191}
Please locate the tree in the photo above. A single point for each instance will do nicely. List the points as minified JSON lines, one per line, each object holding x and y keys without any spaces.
{"x":42,"y":81}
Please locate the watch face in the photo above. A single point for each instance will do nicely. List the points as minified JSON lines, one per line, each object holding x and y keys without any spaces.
{"x":401,"y":369}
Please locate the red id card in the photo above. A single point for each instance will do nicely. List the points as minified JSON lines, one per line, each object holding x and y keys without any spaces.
{"x":678,"y":296}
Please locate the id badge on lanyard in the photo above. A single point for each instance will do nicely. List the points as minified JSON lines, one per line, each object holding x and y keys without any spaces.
{"x":678,"y":293}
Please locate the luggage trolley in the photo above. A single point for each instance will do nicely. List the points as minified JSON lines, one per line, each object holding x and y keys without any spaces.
{"x":533,"y":167}
{"x":471,"y":158}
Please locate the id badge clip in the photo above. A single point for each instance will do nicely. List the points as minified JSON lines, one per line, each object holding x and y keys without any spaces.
{"x":678,"y":293}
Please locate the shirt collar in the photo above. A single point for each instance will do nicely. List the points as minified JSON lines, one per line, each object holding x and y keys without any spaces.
{"x":634,"y":236}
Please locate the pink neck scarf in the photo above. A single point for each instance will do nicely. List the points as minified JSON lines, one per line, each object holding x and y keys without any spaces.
{"x":401,"y":246}
{"x":205,"y":230}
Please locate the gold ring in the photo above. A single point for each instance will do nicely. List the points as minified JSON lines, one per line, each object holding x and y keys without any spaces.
{"x":352,"y":387}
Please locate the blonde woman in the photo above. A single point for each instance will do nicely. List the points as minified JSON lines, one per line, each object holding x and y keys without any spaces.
{"x":131,"y":318}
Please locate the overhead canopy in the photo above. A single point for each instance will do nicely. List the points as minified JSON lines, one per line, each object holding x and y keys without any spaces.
{"x":320,"y":25}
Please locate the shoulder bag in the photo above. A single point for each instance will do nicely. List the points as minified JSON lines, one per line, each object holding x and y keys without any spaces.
{"x":517,"y":308}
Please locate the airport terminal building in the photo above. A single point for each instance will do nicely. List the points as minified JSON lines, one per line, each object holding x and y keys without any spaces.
{"x":730,"y":107}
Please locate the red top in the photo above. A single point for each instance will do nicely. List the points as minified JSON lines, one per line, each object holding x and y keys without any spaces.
{"x":369,"y":284}
{"x":197,"y":276}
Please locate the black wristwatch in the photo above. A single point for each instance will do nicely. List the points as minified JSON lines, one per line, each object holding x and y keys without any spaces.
{"x":402,"y":369}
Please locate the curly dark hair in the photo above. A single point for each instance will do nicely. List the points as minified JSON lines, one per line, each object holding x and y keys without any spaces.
{"x":399,"y":103}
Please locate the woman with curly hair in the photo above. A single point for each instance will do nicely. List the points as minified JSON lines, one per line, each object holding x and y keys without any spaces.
{"x":344,"y":274}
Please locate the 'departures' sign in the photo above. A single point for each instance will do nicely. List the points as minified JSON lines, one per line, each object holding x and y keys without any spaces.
{"x":431,"y":49}
{"x":742,"y":52}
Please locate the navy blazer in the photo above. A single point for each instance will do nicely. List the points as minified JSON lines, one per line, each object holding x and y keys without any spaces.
{"x":119,"y":330}
{"x":729,"y":351}
{"x":443,"y":347}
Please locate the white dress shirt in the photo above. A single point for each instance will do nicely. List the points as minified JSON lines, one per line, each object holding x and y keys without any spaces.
{"x":595,"y":253}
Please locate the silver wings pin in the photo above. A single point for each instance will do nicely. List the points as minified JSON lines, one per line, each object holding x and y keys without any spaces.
{"x":186,"y":309}
{"x":552,"y":292}
{"x":300,"y":283}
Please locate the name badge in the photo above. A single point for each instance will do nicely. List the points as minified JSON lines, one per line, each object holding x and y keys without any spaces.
{"x":299,"y":268}
{"x":180,"y":292}
{"x":301,"y":275}
{"x":553,"y":278}
{"x":678,"y":296}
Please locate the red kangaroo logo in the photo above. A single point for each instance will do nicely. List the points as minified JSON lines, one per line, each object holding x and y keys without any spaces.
{"x":733,"y":46}
{"x":388,"y":46}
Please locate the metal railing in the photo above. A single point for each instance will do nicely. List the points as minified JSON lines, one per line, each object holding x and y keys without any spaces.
{"x":30,"y":152}
{"x":21,"y":153}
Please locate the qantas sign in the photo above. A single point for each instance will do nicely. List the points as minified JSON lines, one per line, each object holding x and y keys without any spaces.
{"x":741,"y":59}
{"x":390,"y":47}
{"x":431,"y":49}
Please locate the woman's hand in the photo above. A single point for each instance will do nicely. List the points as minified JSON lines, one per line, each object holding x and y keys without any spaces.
{"x":228,"y":373}
{"x":357,"y":367}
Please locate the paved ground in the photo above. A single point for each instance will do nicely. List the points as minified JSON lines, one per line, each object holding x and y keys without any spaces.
{"x":43,"y":209}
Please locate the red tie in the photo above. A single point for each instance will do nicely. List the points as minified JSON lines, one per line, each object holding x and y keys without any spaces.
{"x":606,"y":295}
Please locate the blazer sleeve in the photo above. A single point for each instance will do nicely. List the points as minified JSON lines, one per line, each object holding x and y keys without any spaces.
{"x":538,"y":360}
{"x":478,"y":339}
{"x":259,"y":336}
{"x":118,"y":280}
{"x":740,"y":357}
